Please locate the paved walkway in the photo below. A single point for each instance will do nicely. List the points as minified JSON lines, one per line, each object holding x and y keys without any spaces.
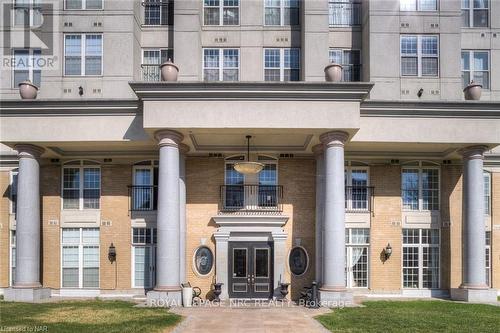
{"x":249,"y":318}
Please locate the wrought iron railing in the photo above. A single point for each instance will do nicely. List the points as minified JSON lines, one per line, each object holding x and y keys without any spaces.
{"x":143,"y":198}
{"x":251,"y":198}
{"x":351,"y":73}
{"x":150,"y":73}
{"x":358,"y":199}
{"x":344,"y":14}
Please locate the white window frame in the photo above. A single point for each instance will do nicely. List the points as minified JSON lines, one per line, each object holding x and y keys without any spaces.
{"x":31,"y":67}
{"x":12,"y":248}
{"x":352,"y":21}
{"x":161,"y":49}
{"x":471,"y":9}
{"x":80,"y":246}
{"x":472,"y":69}
{"x":31,"y":13}
{"x":418,"y":7}
{"x":221,"y":63}
{"x":282,"y":62}
{"x":81,"y":166}
{"x":419,"y":56}
{"x":420,"y":187}
{"x":282,"y":14}
{"x":152,"y":260}
{"x":12,"y":173}
{"x":487,"y":192}
{"x":167,"y":4}
{"x":151,"y":169}
{"x":348,"y":169}
{"x":488,"y":257}
{"x":343,"y":62}
{"x":84,"y":6}
{"x":349,"y":246}
{"x":221,"y":14}
{"x":83,"y":39}
{"x":420,"y":247}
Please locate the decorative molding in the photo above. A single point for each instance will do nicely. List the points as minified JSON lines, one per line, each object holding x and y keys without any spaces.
{"x":250,"y":220}
{"x":104,"y":153}
{"x":300,"y":90}
{"x":243,"y":148}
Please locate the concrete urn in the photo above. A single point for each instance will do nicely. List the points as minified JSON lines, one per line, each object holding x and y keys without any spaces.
{"x":169,"y":71}
{"x":333,"y":73}
{"x":28,"y":90}
{"x":473,"y":91}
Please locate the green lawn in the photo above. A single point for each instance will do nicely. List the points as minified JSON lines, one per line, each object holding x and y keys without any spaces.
{"x":84,"y":316}
{"x":414,"y":316}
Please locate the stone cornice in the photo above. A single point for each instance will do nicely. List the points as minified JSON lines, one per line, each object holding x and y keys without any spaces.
{"x":72,"y":107}
{"x":351,"y":91}
{"x":29,"y":151}
{"x":432,"y":109}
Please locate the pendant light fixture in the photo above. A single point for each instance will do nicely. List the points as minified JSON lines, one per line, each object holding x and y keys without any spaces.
{"x":247,"y":167}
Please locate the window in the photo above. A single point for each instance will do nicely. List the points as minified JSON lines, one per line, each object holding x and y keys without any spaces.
{"x":151,"y":61}
{"x":83,"y":4}
{"x":487,"y":193}
{"x":203,"y":260}
{"x":488,"y":258}
{"x":420,"y":258}
{"x":350,"y":61}
{"x":221,"y":64}
{"x":282,"y":64}
{"x":144,"y":257}
{"x":356,"y":182}
{"x":158,"y":12}
{"x":419,"y":55}
{"x":12,"y":257}
{"x":298,"y":261}
{"x":475,"y":13}
{"x":83,"y":54}
{"x":28,"y":13}
{"x":281,"y":12}
{"x":344,"y":13}
{"x":221,"y":12}
{"x":81,"y":186}
{"x":13,"y":191}
{"x":476,"y":67}
{"x":80,"y":257}
{"x":357,"y":242}
{"x":145,"y":186}
{"x":418,"y":5}
{"x":26,"y":66}
{"x":420,"y":186}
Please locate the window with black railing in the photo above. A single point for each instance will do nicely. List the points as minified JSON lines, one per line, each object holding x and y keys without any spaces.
{"x":251,"y":198}
{"x":344,"y":13}
{"x":158,"y":12}
{"x":358,"y":199}
{"x":143,"y":193}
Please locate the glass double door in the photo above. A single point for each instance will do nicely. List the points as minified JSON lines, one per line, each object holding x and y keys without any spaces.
{"x":250,"y":270}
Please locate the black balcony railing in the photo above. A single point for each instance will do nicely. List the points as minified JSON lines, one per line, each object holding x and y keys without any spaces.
{"x":251,"y":198}
{"x":143,"y":198}
{"x":358,"y":199}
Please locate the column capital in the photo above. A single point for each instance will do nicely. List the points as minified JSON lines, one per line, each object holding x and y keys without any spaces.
{"x":334,"y":139}
{"x":169,"y":138}
{"x":318,"y":149}
{"x":29,"y":151}
{"x":183,"y":148}
{"x":473,"y":152}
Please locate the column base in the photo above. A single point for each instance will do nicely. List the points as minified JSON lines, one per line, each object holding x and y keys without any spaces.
{"x":164,"y":298}
{"x":474,"y":295}
{"x":28,"y":295}
{"x":335,"y":298}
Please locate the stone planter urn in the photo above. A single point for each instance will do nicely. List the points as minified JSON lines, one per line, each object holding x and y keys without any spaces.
{"x":169,"y":71}
{"x":217,"y":291}
{"x":333,"y":73}
{"x":473,"y":91}
{"x":28,"y":90}
{"x":284,"y":290}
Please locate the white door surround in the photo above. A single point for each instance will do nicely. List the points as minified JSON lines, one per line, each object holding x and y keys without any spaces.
{"x":245,"y":228}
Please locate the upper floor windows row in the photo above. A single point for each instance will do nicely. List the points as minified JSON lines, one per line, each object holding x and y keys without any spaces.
{"x":419,"y":55}
{"x":83,"y":4}
{"x":475,"y":13}
{"x":418,"y":5}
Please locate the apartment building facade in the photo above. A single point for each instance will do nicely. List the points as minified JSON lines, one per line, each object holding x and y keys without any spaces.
{"x":115,"y":182}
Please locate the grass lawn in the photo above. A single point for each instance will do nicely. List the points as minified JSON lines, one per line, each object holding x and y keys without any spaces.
{"x":85,"y":316}
{"x":414,"y":316}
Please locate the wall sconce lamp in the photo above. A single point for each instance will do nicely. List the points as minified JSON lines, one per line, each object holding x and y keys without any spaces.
{"x":388,"y":251}
{"x":420,"y":92}
{"x":112,"y":253}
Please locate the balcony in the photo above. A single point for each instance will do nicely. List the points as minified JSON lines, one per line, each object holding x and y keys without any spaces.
{"x":358,"y":199}
{"x":151,"y":73}
{"x":143,"y":198}
{"x":251,"y":198}
{"x":344,"y":14}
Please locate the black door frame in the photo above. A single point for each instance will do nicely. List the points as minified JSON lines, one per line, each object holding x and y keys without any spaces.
{"x":250,"y":280}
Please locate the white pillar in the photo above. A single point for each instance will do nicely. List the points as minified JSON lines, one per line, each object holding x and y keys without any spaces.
{"x":473,"y":287}
{"x":168,"y":277}
{"x":333,"y":286}
{"x":27,"y":287}
{"x":182,"y":210}
{"x":320,"y":209}
{"x":222,"y":261}
{"x":280,"y":261}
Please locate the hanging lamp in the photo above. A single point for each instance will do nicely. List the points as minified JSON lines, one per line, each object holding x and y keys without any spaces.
{"x":247,"y":167}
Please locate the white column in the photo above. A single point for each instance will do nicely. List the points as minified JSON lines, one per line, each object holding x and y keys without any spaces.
{"x":280,"y":261}
{"x":474,"y":241}
{"x":320,"y":209}
{"x":28,"y":218}
{"x":182,"y":210}
{"x":334,"y":218}
{"x":168,"y":220}
{"x":222,"y":261}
